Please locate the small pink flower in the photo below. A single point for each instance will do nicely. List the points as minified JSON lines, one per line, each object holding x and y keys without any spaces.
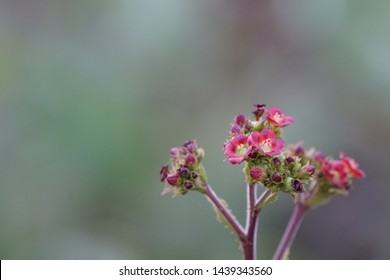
{"x":266,"y":142}
{"x":353,"y":166}
{"x":190,"y":159}
{"x":237,"y":150}
{"x":256,"y":173}
{"x":336,"y":171}
{"x":277,"y":117}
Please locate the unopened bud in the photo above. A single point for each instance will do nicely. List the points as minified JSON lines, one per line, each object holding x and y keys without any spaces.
{"x":236,"y":129}
{"x":299,"y":150}
{"x":266,"y":182}
{"x":194,"y":175}
{"x":297,"y":186}
{"x":290,"y":160}
{"x":188,"y":185}
{"x":310,"y":170}
{"x":190,"y":159}
{"x":276,"y":178}
{"x":276,"y":161}
{"x":253,"y":152}
{"x":163,"y":173}
{"x":240,"y":120}
{"x":190,"y":146}
{"x":184,"y":172}
{"x":318,"y":156}
{"x":173,"y":179}
{"x":174,"y":152}
{"x":256,"y":173}
{"x":259,"y":111}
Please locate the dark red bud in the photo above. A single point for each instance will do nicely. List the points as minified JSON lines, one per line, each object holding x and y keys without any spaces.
{"x":297,"y":186}
{"x":188,"y":185}
{"x":253,"y":152}
{"x":276,"y":160}
{"x":194,"y":175}
{"x":184,"y":172}
{"x":299,"y":150}
{"x":266,"y":182}
{"x":164,"y":173}
{"x":290,"y":160}
{"x":276,"y":178}
{"x":259,"y":111}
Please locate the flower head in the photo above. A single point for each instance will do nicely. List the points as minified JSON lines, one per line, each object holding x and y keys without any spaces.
{"x":340,"y":172}
{"x":336,"y":171}
{"x":353,"y":166}
{"x":276,"y":117}
{"x":237,"y":150}
{"x":266,"y":142}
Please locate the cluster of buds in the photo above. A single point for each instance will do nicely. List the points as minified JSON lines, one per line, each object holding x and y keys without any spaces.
{"x":258,"y":142}
{"x":185,"y":171}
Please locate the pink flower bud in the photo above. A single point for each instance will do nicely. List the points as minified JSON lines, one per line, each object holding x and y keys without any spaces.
{"x":299,"y":150}
{"x":236,"y":129}
{"x":190,"y":159}
{"x":173,"y":179}
{"x":174,"y":152}
{"x":240,"y":120}
{"x":310,"y":170}
{"x":256,"y":173}
{"x":318,"y":156}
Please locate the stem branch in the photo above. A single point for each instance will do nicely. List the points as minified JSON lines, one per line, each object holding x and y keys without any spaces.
{"x":290,"y":231}
{"x":216,"y":201}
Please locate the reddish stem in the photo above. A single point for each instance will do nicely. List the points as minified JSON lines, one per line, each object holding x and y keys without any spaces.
{"x":290,"y":231}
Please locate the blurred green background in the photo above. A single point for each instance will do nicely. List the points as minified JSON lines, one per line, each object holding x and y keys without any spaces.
{"x":93,"y":94}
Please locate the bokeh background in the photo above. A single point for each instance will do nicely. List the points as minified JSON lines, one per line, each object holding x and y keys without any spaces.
{"x":94,"y":93}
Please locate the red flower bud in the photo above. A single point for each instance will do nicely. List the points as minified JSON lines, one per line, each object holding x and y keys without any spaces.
{"x":259,"y":111}
{"x":188,"y":185}
{"x":240,"y":120}
{"x":190,"y":159}
{"x":276,"y":178}
{"x":256,"y":173}
{"x":173,"y":179}
{"x":297,"y":185}
{"x":163,"y":173}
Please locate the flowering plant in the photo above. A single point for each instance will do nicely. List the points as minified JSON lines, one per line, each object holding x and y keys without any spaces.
{"x":309,"y":177}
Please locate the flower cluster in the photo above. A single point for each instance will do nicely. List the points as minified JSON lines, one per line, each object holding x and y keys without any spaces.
{"x":250,"y":138}
{"x":185,"y":171}
{"x":341,"y":172}
{"x":331,"y":176}
{"x":259,"y":143}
